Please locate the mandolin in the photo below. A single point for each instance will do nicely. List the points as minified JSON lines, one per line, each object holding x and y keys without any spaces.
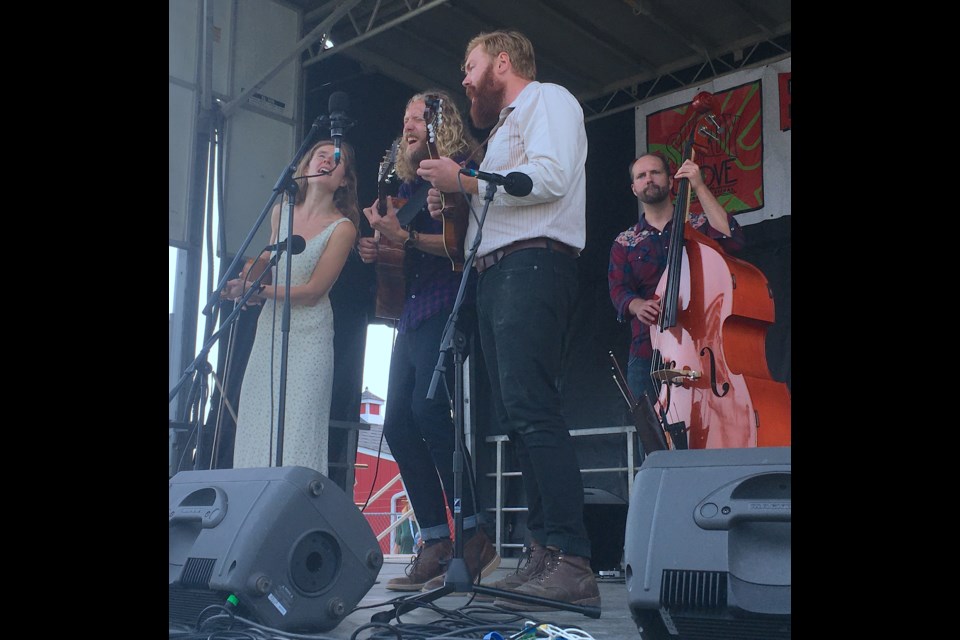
{"x":390,"y":280}
{"x":456,"y":209}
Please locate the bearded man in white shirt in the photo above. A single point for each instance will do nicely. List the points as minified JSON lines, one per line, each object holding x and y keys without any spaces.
{"x":527,"y":285}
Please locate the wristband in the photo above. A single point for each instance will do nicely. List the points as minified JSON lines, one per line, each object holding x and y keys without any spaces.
{"x":412,"y":239}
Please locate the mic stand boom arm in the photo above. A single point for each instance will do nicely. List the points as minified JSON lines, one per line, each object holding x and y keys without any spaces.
{"x":285,"y":178}
{"x":229,"y":320}
{"x":283,"y":182}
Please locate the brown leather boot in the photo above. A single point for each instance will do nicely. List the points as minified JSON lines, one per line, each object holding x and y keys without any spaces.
{"x":565,"y":578}
{"x":429,"y":562}
{"x":533,"y":562}
{"x":479,"y":555}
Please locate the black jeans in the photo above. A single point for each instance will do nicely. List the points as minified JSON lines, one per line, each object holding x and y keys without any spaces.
{"x":524,"y":303}
{"x":420,"y":432}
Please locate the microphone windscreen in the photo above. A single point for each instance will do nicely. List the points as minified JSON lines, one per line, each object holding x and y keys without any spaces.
{"x":339,"y":102}
{"x":519,"y":184}
{"x":297,"y":245}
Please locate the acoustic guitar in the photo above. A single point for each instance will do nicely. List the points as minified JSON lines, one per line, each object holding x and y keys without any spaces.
{"x":456,"y":209}
{"x":390,"y":280}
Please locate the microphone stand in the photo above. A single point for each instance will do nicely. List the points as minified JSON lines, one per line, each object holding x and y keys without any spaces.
{"x":285,"y":325}
{"x":200,"y":366}
{"x":201,"y":359}
{"x":458,"y":578}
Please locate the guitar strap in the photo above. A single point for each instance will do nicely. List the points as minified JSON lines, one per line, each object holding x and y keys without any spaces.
{"x":483,"y":145}
{"x":409,"y":211}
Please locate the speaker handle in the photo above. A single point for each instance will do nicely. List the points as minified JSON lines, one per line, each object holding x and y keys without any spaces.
{"x":763,"y":497}
{"x":208,"y":505}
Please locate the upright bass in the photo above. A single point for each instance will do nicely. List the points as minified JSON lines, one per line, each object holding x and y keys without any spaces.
{"x":709,"y":354}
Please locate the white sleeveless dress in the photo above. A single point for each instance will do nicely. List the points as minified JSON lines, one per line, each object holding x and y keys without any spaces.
{"x":309,"y":374}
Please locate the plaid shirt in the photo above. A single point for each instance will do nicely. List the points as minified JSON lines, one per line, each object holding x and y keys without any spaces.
{"x":638,"y":258}
{"x":431,"y":284}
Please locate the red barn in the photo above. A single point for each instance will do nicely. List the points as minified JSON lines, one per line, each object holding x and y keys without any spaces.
{"x":377,"y":488}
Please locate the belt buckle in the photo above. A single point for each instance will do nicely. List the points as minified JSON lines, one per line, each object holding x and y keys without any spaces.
{"x":483,"y":263}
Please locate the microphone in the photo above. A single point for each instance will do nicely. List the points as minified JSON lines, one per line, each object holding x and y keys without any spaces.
{"x":515,"y":183}
{"x":297,"y":245}
{"x":337,"y":107}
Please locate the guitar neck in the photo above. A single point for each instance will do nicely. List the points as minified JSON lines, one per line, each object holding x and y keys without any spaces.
{"x":382,"y":204}
{"x":386,"y":171}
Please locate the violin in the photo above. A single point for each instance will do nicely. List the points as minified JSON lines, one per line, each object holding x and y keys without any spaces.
{"x":252,"y":269}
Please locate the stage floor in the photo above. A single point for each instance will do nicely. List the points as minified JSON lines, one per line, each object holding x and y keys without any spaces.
{"x":614,"y":622}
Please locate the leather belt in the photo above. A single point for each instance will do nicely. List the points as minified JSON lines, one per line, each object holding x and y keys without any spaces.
{"x":485,"y":262}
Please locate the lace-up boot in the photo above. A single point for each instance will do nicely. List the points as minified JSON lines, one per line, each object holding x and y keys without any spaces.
{"x":430,"y":561}
{"x":480,"y":557}
{"x":565,"y":578}
{"x":532,"y":562}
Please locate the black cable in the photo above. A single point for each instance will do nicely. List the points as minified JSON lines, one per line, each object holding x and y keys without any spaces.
{"x":463,"y":623}
{"x":253,"y":630}
{"x":379,"y":625}
{"x":376,"y":472}
{"x":462,"y":620}
{"x":323,"y":172}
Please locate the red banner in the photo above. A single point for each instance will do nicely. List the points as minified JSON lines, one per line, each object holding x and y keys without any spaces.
{"x":732,"y":162}
{"x":786,"y":113}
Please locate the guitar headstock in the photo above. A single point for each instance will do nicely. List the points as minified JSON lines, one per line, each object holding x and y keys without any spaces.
{"x":388,"y":164}
{"x":386,"y":173}
{"x":433,"y":116}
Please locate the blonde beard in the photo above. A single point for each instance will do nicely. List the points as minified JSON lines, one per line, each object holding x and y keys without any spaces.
{"x":407,"y":167}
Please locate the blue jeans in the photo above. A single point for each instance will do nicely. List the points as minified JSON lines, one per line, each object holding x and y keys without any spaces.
{"x":524,"y":304}
{"x":420,"y":432}
{"x":638,"y":378}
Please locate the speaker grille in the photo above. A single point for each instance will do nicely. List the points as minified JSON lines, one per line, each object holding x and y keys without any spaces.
{"x":197,"y":571}
{"x":185,"y":605}
{"x":720,"y":629}
{"x":693,"y":589}
{"x":695,"y":602}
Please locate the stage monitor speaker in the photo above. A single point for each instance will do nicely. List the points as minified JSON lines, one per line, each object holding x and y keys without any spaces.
{"x":285,"y":544}
{"x":707,"y":545}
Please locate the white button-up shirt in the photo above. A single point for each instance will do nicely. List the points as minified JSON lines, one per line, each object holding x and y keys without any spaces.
{"x":542,"y":135}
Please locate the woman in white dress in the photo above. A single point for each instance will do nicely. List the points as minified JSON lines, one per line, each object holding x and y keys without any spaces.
{"x":325,"y":215}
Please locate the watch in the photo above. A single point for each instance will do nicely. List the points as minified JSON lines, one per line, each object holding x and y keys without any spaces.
{"x":412,"y":239}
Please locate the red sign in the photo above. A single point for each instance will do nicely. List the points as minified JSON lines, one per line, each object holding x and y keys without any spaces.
{"x":731,"y":159}
{"x":785,"y":114}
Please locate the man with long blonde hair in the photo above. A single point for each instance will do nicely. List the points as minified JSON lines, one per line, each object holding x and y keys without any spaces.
{"x":419,"y":430}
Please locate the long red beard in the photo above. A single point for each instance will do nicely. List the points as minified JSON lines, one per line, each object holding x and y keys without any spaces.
{"x":487,"y":100}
